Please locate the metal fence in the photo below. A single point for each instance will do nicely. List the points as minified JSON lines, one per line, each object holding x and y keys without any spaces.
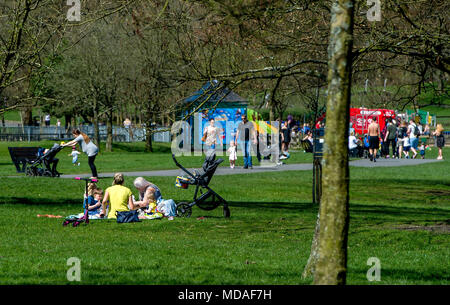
{"x":54,"y":133}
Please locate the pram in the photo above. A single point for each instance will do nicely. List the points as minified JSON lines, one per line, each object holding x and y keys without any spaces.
{"x":45,"y":164}
{"x":208,"y":200}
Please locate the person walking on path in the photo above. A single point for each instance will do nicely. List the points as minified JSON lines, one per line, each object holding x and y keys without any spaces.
{"x":74,"y":154}
{"x":374,"y":139}
{"x":211,"y":134}
{"x":440,"y":140}
{"x":389,"y":139}
{"x":246,"y":135}
{"x":285,"y":141}
{"x":413,"y":133}
{"x":87,"y":146}
{"x":401,"y":135}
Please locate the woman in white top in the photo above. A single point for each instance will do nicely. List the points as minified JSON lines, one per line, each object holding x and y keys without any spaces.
{"x":212,"y":134}
{"x":87,"y":146}
{"x":352,"y":145}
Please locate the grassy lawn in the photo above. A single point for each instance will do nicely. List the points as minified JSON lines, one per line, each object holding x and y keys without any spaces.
{"x":399,"y":215}
{"x":125,"y":157}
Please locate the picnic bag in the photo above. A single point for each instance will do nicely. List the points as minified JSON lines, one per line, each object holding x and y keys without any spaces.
{"x":127,"y":216}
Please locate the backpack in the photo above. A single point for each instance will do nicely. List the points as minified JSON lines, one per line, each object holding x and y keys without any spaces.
{"x":383,"y":132}
{"x":416,"y":131}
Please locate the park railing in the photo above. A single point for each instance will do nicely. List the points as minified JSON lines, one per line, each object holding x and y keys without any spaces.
{"x":55,"y":133}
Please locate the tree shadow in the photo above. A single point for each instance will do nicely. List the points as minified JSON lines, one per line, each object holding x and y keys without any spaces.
{"x":287,"y":206}
{"x":403,"y":181}
{"x":39,"y":201}
{"x":356,"y":210}
{"x":384,"y":210}
{"x":137,"y":148}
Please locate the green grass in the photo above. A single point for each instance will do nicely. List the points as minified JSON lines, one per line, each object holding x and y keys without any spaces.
{"x":14,"y":115}
{"x":125,"y":157}
{"x":266,"y":241}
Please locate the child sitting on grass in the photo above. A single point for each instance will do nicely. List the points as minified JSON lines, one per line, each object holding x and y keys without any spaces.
{"x":93,"y":199}
{"x":94,"y":203}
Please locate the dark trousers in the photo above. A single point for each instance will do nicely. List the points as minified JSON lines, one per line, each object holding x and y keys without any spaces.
{"x":393,"y":144}
{"x":92,"y":165}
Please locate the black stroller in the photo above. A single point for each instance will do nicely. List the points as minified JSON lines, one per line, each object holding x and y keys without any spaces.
{"x":45,"y":164}
{"x":206,"y":200}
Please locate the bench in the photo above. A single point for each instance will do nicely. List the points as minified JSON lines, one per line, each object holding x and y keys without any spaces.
{"x":20,"y":156}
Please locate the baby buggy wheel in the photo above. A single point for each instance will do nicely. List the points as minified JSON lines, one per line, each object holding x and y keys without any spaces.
{"x":30,"y":171}
{"x":184,"y":210}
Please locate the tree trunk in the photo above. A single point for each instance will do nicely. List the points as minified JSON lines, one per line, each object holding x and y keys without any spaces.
{"x":67,"y":119}
{"x":148,"y":139}
{"x":96,"y":126}
{"x":27,"y":117}
{"x":314,"y":254}
{"x":109,"y":131}
{"x":331,"y":265}
{"x":271,"y":113}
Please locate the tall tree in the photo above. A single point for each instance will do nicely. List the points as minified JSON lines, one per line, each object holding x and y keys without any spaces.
{"x":331,"y":266}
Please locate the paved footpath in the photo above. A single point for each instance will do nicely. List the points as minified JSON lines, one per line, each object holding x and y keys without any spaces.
{"x":262,"y":169}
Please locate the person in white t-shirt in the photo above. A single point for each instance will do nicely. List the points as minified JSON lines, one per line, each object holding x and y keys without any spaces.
{"x":352,"y":144}
{"x":413,"y":140}
{"x":47,"y":120}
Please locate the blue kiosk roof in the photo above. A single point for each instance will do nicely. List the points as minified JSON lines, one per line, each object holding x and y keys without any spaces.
{"x":226,"y":97}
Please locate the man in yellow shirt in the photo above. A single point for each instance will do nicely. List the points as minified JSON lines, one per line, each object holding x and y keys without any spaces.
{"x":119,"y":198}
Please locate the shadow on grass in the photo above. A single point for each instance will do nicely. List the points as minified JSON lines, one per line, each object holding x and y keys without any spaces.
{"x":377,"y":213}
{"x":136,"y":148}
{"x":287,"y":206}
{"x":39,"y":201}
{"x":397,"y":212}
{"x":388,"y":182}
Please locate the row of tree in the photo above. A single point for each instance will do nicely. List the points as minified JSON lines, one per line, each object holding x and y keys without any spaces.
{"x":140,"y":58}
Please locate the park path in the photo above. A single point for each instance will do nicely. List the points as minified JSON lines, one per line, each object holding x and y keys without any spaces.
{"x":262,"y":169}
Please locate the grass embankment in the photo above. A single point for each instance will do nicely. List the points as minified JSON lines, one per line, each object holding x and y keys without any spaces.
{"x":399,"y":215}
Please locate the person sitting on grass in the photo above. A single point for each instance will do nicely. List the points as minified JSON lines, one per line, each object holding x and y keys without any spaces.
{"x":118,"y":198}
{"x":94,"y":203}
{"x":150,"y":199}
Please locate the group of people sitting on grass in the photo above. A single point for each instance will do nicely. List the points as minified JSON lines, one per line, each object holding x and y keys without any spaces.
{"x":118,"y":198}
